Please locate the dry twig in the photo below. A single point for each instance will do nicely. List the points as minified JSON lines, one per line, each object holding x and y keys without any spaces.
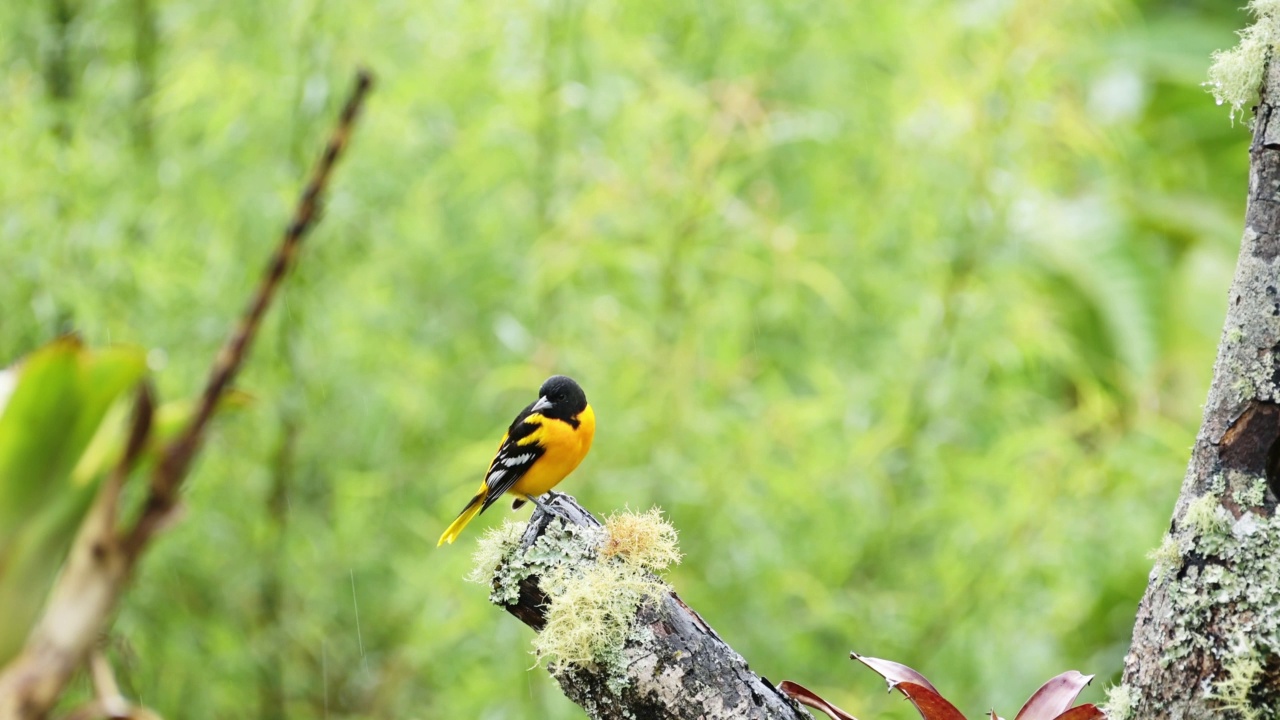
{"x":103,"y":557}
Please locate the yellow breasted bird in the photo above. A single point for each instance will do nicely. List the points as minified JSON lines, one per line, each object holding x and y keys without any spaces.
{"x":544,"y":444}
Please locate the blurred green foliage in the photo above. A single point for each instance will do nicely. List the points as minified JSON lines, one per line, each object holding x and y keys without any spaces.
{"x":903,"y":312}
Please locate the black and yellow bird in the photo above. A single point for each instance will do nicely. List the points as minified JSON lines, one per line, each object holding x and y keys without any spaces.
{"x":544,"y":444}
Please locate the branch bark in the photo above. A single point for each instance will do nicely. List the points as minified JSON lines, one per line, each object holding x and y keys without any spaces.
{"x":673,"y":667}
{"x":1207,"y":638}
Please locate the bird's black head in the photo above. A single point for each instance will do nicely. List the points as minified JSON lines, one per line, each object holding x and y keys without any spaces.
{"x":561,"y":398}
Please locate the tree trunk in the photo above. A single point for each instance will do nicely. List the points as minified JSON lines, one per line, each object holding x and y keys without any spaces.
{"x":673,"y":667}
{"x":1207,"y":638}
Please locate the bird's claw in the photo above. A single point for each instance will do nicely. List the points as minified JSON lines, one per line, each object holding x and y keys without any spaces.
{"x":541,"y":505}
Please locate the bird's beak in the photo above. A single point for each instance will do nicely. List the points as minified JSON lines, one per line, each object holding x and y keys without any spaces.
{"x":542,"y":404}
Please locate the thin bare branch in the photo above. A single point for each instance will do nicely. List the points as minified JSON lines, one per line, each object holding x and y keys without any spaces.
{"x":102,"y":559}
{"x":139,"y":431}
{"x":105,"y":687}
{"x":176,"y":458}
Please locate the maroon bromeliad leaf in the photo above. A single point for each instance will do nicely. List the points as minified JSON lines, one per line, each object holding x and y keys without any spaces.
{"x":1051,"y":702}
{"x":1055,"y":697}
{"x":1083,"y":712}
{"x":894,"y":672}
{"x":805,"y":696}
{"x":931,"y":705}
{"x":928,"y":701}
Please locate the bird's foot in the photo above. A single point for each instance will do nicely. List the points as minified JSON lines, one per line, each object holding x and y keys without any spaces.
{"x":541,"y":505}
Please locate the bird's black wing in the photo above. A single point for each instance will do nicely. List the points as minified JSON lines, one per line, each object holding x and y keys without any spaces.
{"x":513,"y":460}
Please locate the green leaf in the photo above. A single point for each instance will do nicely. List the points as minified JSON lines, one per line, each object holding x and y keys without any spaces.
{"x":34,"y":441}
{"x":47,"y":480}
{"x":30,"y":562}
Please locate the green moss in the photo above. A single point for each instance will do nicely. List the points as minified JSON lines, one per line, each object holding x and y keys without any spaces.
{"x":1205,"y":527}
{"x":1206,"y":518}
{"x":1167,"y":557}
{"x":1236,"y":74}
{"x":1120,"y":703}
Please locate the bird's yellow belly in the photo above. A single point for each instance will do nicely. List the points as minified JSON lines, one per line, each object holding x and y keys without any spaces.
{"x":565,"y":448}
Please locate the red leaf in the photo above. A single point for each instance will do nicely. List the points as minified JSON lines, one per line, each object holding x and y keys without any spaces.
{"x":1083,"y":712}
{"x":931,"y":705}
{"x":805,"y":696}
{"x":895,"y":673}
{"x":1054,"y":697}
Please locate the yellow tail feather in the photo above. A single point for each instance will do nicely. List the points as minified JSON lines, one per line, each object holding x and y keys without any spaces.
{"x":471,"y":510}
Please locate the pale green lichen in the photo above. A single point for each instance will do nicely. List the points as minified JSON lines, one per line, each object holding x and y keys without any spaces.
{"x":595,"y":580}
{"x":1206,"y":518}
{"x":1255,"y":381}
{"x":591,"y":614}
{"x":1218,"y":485}
{"x":497,"y":563}
{"x":1167,"y":558}
{"x":493,"y":548}
{"x":644,"y":540}
{"x":1251,"y":496}
{"x":1121,"y":701}
{"x":594,"y":604}
{"x":1234,"y":586}
{"x":1236,"y":74}
{"x":1244,"y":387}
{"x":1243,"y":666}
{"x":1207,"y":525}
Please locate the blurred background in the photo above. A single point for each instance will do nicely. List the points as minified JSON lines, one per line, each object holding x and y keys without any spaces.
{"x":902,"y":311}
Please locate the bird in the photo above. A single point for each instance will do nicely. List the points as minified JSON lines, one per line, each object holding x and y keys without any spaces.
{"x":546,"y":442}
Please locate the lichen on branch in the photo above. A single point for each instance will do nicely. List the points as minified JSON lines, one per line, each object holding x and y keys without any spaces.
{"x":595,"y":580}
{"x":1120,"y":703}
{"x":1236,"y":74}
{"x":1233,"y":577}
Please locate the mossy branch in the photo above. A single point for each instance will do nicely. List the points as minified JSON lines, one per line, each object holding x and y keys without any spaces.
{"x":617,"y":639}
{"x":176,"y":460}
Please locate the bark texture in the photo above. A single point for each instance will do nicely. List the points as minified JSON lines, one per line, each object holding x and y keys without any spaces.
{"x":1207,"y":638}
{"x":672,"y":667}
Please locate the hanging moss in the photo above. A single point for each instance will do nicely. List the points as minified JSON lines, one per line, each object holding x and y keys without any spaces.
{"x":1236,"y":74}
{"x":595,"y":580}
